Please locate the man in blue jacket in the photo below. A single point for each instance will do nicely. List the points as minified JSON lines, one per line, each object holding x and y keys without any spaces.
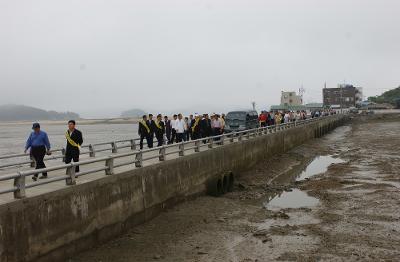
{"x":39,"y":145}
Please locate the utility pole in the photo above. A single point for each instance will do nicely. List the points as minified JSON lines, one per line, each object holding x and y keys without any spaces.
{"x":341,"y":98}
{"x":254,"y":105}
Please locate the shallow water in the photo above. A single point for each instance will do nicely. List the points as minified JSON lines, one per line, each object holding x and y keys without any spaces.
{"x":318,"y":166}
{"x":293,"y":199}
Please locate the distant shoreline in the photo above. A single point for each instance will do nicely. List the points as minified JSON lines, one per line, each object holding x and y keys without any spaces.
{"x":78,"y":121}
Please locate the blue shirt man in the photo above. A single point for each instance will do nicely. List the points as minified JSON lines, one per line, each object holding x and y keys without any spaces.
{"x":36,"y":139}
{"x":39,"y":144}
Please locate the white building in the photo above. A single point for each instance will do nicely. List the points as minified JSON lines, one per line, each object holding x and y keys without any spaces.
{"x":291,"y":99}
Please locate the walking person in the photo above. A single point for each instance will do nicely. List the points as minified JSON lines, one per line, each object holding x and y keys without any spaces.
{"x":39,"y":145}
{"x":159,"y":130}
{"x":152,"y":126}
{"x":216,"y":126}
{"x":222,"y":119}
{"x":74,"y":142}
{"x":187,"y":129}
{"x":286,"y":117}
{"x":195,"y":126}
{"x":190,"y":130}
{"x":180,"y":128}
{"x":262,"y":119}
{"x":173,"y":135}
{"x":144,"y":131}
{"x":167,"y":126}
{"x":205,"y":127}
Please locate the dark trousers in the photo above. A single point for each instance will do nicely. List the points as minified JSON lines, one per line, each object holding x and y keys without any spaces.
{"x":38,"y":153}
{"x":191,"y":134}
{"x":160,"y":139}
{"x":69,"y":156}
{"x":187,"y":135}
{"x":180,"y":137}
{"x":168,"y":135}
{"x":149,"y":142}
{"x":217,"y":132}
{"x":173,"y":136}
{"x":204,"y":135}
{"x":196,"y":135}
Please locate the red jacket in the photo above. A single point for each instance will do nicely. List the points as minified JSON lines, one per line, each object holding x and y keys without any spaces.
{"x":262,"y":118}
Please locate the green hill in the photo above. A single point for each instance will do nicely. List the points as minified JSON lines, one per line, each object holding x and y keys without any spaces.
{"x":27,"y":113}
{"x":391,"y":96}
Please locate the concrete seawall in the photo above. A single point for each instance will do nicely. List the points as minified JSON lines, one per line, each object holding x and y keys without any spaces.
{"x":52,"y":226}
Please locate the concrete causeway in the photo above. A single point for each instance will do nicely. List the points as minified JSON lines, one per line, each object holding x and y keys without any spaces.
{"x":56,"y":220}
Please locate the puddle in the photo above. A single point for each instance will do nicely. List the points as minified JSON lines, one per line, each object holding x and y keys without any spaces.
{"x":293,"y":199}
{"x":319,"y":165}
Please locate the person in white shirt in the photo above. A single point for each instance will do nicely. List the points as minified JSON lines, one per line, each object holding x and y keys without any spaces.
{"x":287,"y":117}
{"x":173,"y":135}
{"x":216,"y":125}
{"x":180,"y":128}
{"x":222,"y":119}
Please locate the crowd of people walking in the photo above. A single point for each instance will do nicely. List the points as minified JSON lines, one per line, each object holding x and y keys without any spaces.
{"x":179,"y":128}
{"x":38,"y":144}
{"x":162,"y":128}
{"x":280,"y":117}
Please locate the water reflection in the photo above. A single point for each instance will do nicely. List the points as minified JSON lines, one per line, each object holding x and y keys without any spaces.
{"x":293,"y":199}
{"x":319,"y":165}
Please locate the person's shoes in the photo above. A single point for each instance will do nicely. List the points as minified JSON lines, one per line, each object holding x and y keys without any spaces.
{"x":34,"y":178}
{"x":42,"y":177}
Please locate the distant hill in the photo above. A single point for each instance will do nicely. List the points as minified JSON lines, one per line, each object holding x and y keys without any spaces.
{"x":391,"y":96}
{"x":133,"y":113}
{"x":20,"y":113}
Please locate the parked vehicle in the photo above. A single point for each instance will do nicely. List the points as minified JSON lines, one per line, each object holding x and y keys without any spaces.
{"x":353,"y":110}
{"x":241,"y":120}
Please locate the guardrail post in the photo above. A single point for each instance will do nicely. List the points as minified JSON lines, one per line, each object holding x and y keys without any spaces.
{"x":92,"y":153}
{"x":133,"y":144}
{"x":19,"y":183}
{"x":110,"y":166}
{"x":33,"y":161}
{"x":232,"y":137}
{"x":63,"y":154}
{"x":181,"y":149}
{"x":240,"y":137}
{"x":161,"y":154}
{"x":210,"y":143}
{"x":248,"y":135}
{"x":71,"y":175}
{"x":139,"y":159}
{"x":114,"y":148}
{"x":197,"y":146}
{"x":221,"y":142}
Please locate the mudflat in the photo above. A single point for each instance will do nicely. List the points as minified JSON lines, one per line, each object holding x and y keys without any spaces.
{"x":332,"y":199}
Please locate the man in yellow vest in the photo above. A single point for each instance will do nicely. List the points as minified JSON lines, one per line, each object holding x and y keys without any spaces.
{"x":144,"y":131}
{"x":74,"y":142}
{"x":159,"y":130}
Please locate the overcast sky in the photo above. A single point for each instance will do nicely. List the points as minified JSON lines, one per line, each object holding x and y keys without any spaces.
{"x":100,"y":57}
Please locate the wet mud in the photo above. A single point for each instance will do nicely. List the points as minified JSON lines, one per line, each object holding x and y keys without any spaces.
{"x":336,"y":198}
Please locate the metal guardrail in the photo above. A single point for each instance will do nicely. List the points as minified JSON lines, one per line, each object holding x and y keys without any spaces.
{"x":90,"y":150}
{"x":139,"y":156}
